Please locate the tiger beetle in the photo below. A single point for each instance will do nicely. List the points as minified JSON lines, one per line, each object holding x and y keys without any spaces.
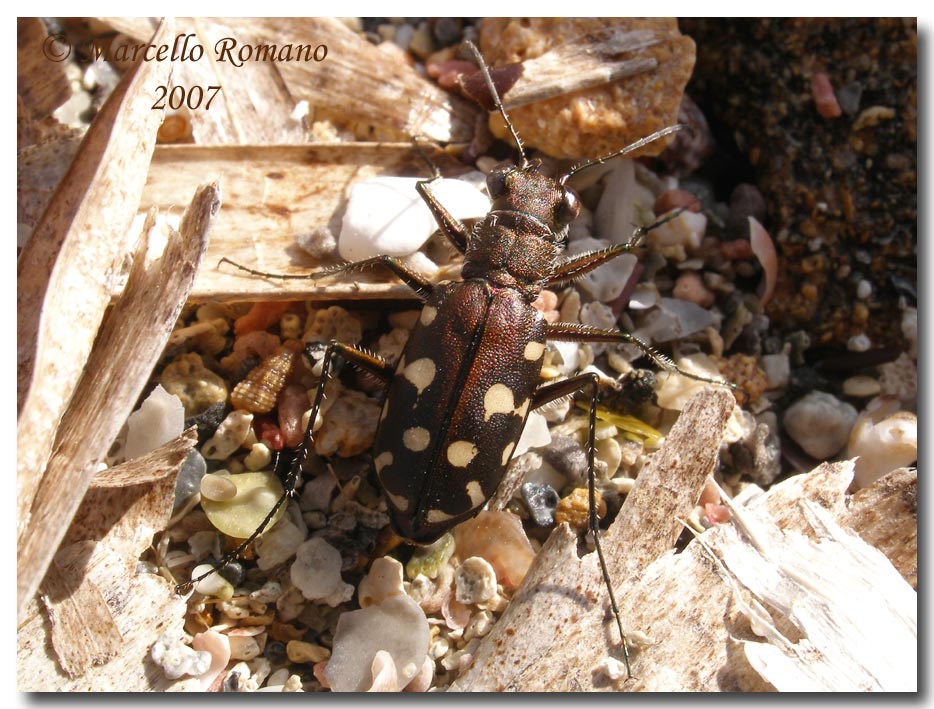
{"x":457,"y":400}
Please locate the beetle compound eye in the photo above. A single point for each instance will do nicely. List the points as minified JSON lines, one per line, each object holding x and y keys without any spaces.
{"x":496,"y":183}
{"x":569,"y":208}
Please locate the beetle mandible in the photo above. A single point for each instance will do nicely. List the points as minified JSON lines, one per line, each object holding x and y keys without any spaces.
{"x":457,"y":400}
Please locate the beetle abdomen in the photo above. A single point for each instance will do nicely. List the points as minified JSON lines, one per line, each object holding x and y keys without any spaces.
{"x":445,"y":440}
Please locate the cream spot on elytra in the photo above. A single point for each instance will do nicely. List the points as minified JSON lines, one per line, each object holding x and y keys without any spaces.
{"x":498,"y":399}
{"x":475,"y":493}
{"x":534,"y":350}
{"x":416,"y":438}
{"x":428,"y":315}
{"x":435,"y":516}
{"x":398,"y":501}
{"x":421,"y":373}
{"x":382,"y":460}
{"x":460,"y":453}
{"x":507,"y":452}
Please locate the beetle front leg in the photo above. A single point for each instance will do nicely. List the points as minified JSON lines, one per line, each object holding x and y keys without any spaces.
{"x":558,"y":390}
{"x":412,"y":279}
{"x":365,"y":361}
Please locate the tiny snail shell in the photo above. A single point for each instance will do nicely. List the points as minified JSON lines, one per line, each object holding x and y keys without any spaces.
{"x":260,"y":388}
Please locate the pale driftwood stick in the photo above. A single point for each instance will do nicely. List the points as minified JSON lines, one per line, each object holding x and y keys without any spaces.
{"x":355,"y":83}
{"x":885,"y":514}
{"x":271,"y":195}
{"x":584,"y":62}
{"x":40,"y":83}
{"x":98,"y":617}
{"x":557,"y":629}
{"x":67,"y":270}
{"x":808,"y":598}
{"x":126,"y":350}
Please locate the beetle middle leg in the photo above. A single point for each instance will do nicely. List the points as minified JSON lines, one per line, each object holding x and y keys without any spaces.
{"x":558,"y":390}
{"x":572,"y":332}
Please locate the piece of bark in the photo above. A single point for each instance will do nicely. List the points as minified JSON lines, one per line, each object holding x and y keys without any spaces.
{"x":885,"y":514}
{"x":117,"y":370}
{"x":66,"y":272}
{"x":563,"y":595}
{"x":355,"y":84}
{"x":582,"y":63}
{"x":272,"y":194}
{"x":98,"y":617}
{"x":40,"y":80}
{"x":696,"y":618}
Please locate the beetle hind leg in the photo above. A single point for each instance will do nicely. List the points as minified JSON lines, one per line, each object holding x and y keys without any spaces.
{"x":371,"y":364}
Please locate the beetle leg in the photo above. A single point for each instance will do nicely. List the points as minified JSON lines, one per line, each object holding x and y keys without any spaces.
{"x":572,"y":332}
{"x":557,"y":390}
{"x":451,"y":227}
{"x":364,"y":360}
{"x":582,"y":264}
{"x":412,"y":279}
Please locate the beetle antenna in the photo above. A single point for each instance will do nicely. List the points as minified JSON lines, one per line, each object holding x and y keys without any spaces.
{"x":624,"y":151}
{"x":478,"y":58}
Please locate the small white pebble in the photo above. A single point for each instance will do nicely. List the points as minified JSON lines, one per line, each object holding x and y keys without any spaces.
{"x":316,"y":571}
{"x":475,"y":581}
{"x":861,"y":386}
{"x":820,"y":423}
{"x":383,"y":580}
{"x":613,"y":668}
{"x":269,"y":592}
{"x":278,"y":544}
{"x":859,"y":343}
{"x":293,"y":684}
{"x":159,"y":419}
{"x":278,"y":678}
{"x":777,"y":368}
{"x":258,"y":458}
{"x":213,"y":584}
{"x":863,"y":289}
{"x":479,"y":626}
{"x":386,"y":215}
{"x":899,"y":378}
{"x":177,"y":659}
{"x":243,"y":647}
{"x":229,"y":436}
{"x":218,"y":487}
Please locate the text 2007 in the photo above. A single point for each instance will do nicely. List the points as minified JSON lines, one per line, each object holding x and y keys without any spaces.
{"x":178,"y":96}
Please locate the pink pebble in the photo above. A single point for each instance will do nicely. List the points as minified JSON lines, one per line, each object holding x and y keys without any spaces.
{"x":293,"y":402}
{"x":690,"y":286}
{"x":500,"y":539}
{"x":736,"y":250}
{"x":673,"y":199}
{"x":717,"y":514}
{"x":824,"y":97}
